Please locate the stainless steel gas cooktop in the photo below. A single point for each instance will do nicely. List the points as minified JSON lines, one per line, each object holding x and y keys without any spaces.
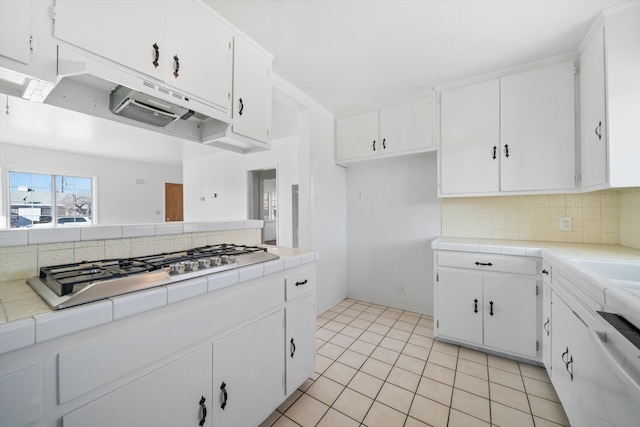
{"x":68,"y":285}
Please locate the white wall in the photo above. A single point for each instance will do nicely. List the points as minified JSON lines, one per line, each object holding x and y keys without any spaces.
{"x":119,"y":199}
{"x":390,"y":229}
{"x":226,"y":174}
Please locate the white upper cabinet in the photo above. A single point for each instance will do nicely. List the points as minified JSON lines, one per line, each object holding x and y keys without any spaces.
{"x":396,"y":129}
{"x":200,"y":53}
{"x":537,"y":126}
{"x":515,"y":134}
{"x":470,"y":139}
{"x":610,"y":103}
{"x":15,"y":36}
{"x":251,"y":91}
{"x":129,"y":33}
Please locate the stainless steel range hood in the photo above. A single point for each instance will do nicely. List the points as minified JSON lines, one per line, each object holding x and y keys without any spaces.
{"x":92,"y":86}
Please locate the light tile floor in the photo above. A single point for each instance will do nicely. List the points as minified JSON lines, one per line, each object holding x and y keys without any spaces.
{"x":380,"y":367}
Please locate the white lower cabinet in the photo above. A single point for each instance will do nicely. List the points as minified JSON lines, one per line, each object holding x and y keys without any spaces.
{"x":479,"y":305}
{"x":573,"y":363}
{"x":248,"y":372}
{"x":178,"y":394}
{"x":546,"y":327}
{"x":300,"y":342}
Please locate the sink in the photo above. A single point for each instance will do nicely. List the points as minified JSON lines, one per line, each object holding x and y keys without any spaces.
{"x":614,"y":270}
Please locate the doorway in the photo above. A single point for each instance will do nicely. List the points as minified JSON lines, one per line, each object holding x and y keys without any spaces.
{"x":173,"y":202}
{"x":263,"y":202}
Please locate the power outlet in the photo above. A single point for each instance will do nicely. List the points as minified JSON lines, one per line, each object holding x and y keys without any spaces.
{"x":565,"y":223}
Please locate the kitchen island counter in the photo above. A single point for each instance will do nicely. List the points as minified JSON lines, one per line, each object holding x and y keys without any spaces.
{"x":25,"y":319}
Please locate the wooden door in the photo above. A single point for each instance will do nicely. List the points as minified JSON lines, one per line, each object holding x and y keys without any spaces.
{"x":173,"y":204}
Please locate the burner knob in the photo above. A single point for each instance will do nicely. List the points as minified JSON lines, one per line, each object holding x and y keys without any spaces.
{"x":225,"y":259}
{"x":174,"y":268}
{"x":188,"y":266}
{"x":214,"y":262}
{"x":232,"y":260}
{"x":202,"y":263}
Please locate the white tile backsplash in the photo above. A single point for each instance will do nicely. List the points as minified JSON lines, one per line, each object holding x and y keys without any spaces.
{"x":101,"y":232}
{"x":171,"y":228}
{"x":13,"y":237}
{"x":138,"y":230}
{"x":54,"y":235}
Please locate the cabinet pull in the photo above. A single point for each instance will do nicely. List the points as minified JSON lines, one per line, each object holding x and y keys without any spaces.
{"x":384,"y":143}
{"x":156,"y":55}
{"x":304,"y":282}
{"x":293,"y":348}
{"x":506,"y":150}
{"x":599,"y":130}
{"x":204,"y":411}
{"x":484,"y":263}
{"x":495,"y":151}
{"x":225,"y":396}
{"x":545,"y":272}
{"x":374,"y":145}
{"x":566,"y":352}
{"x":240,"y":106}
{"x":545,"y":326}
{"x":475,"y":306}
{"x":570,"y":363}
{"x":176,"y":66}
{"x":490,"y":308}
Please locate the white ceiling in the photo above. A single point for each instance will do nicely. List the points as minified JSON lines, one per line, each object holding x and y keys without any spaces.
{"x":351,"y":54}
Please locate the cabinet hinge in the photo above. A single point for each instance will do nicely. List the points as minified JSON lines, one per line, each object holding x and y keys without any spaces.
{"x":229,"y":44}
{"x":575,"y":70}
{"x":437,"y":323}
{"x":537,"y":291}
{"x":537,"y":345}
{"x":31,"y":44}
{"x":53,"y":13}
{"x":437,"y":277}
{"x":575,"y":178}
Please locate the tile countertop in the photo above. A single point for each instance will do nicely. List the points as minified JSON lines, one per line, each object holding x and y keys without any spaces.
{"x":25,"y":319}
{"x":619,"y":296}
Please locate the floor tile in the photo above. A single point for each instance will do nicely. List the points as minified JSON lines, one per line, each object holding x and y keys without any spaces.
{"x":376,"y":368}
{"x":331,"y":351}
{"x":423,"y":330}
{"x":374,"y":310}
{"x":290,"y":401}
{"x":541,"y":422}
{"x":342,"y":340}
{"x":472,"y":384}
{"x":435,"y":391}
{"x":410,"y":363}
{"x":306,"y":411}
{"x":472,"y":368}
{"x":416,"y":351}
{"x":471,"y":404}
{"x":412,"y":318}
{"x":443,"y":359}
{"x":352,"y":331}
{"x":340,"y":373}
{"x":505,"y":378}
{"x":439,"y":373}
{"x":460,"y":419}
{"x":395,"y":397}
{"x":325,"y":390}
{"x":536,"y":372}
{"x":398,"y":334}
{"x":473,"y":355}
{"x":385,"y":355}
{"x":404,"y":326}
{"x":334,"y":326}
{"x":353,"y":404}
{"x":367,"y":316}
{"x":334,"y":418}
{"x":505,"y":416}
{"x":509,"y":397}
{"x":360,"y":323}
{"x":412,"y":422}
{"x":403,"y":378}
{"x":352,"y":358}
{"x":548,"y":410}
{"x":343,"y":318}
{"x":378,"y":328}
{"x":366,"y":384}
{"x":362,"y":347}
{"x":385,"y":321}
{"x":429,"y":411}
{"x":305,"y":385}
{"x":371,"y":337}
{"x":383,"y":416}
{"x":447,"y":348}
{"x":504,"y":364}
{"x":392,"y":344}
{"x":322,"y":363}
{"x":352,"y":312}
{"x":325,"y":334}
{"x":540,"y":388}
{"x":283,"y":421}
{"x":421,"y":341}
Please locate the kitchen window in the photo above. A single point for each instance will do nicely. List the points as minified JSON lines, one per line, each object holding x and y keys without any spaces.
{"x":42,"y":200}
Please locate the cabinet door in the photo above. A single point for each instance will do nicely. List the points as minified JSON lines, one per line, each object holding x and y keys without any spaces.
{"x":470,"y":135}
{"x":537,"y":111}
{"x":407,"y":126}
{"x":459,"y":305}
{"x":170,"y":396}
{"x":510,"y":318}
{"x":123,"y":32}
{"x":546,"y":327}
{"x":203,"y":47}
{"x":248,"y":372}
{"x":300,"y":342}
{"x":15,"y":30}
{"x":573,"y":367}
{"x":357,"y":136}
{"x":251,"y":91}
{"x":592,"y":102}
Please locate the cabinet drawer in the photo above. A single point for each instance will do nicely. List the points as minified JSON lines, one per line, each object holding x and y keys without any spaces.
{"x":299,"y":284}
{"x":486,"y":262}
